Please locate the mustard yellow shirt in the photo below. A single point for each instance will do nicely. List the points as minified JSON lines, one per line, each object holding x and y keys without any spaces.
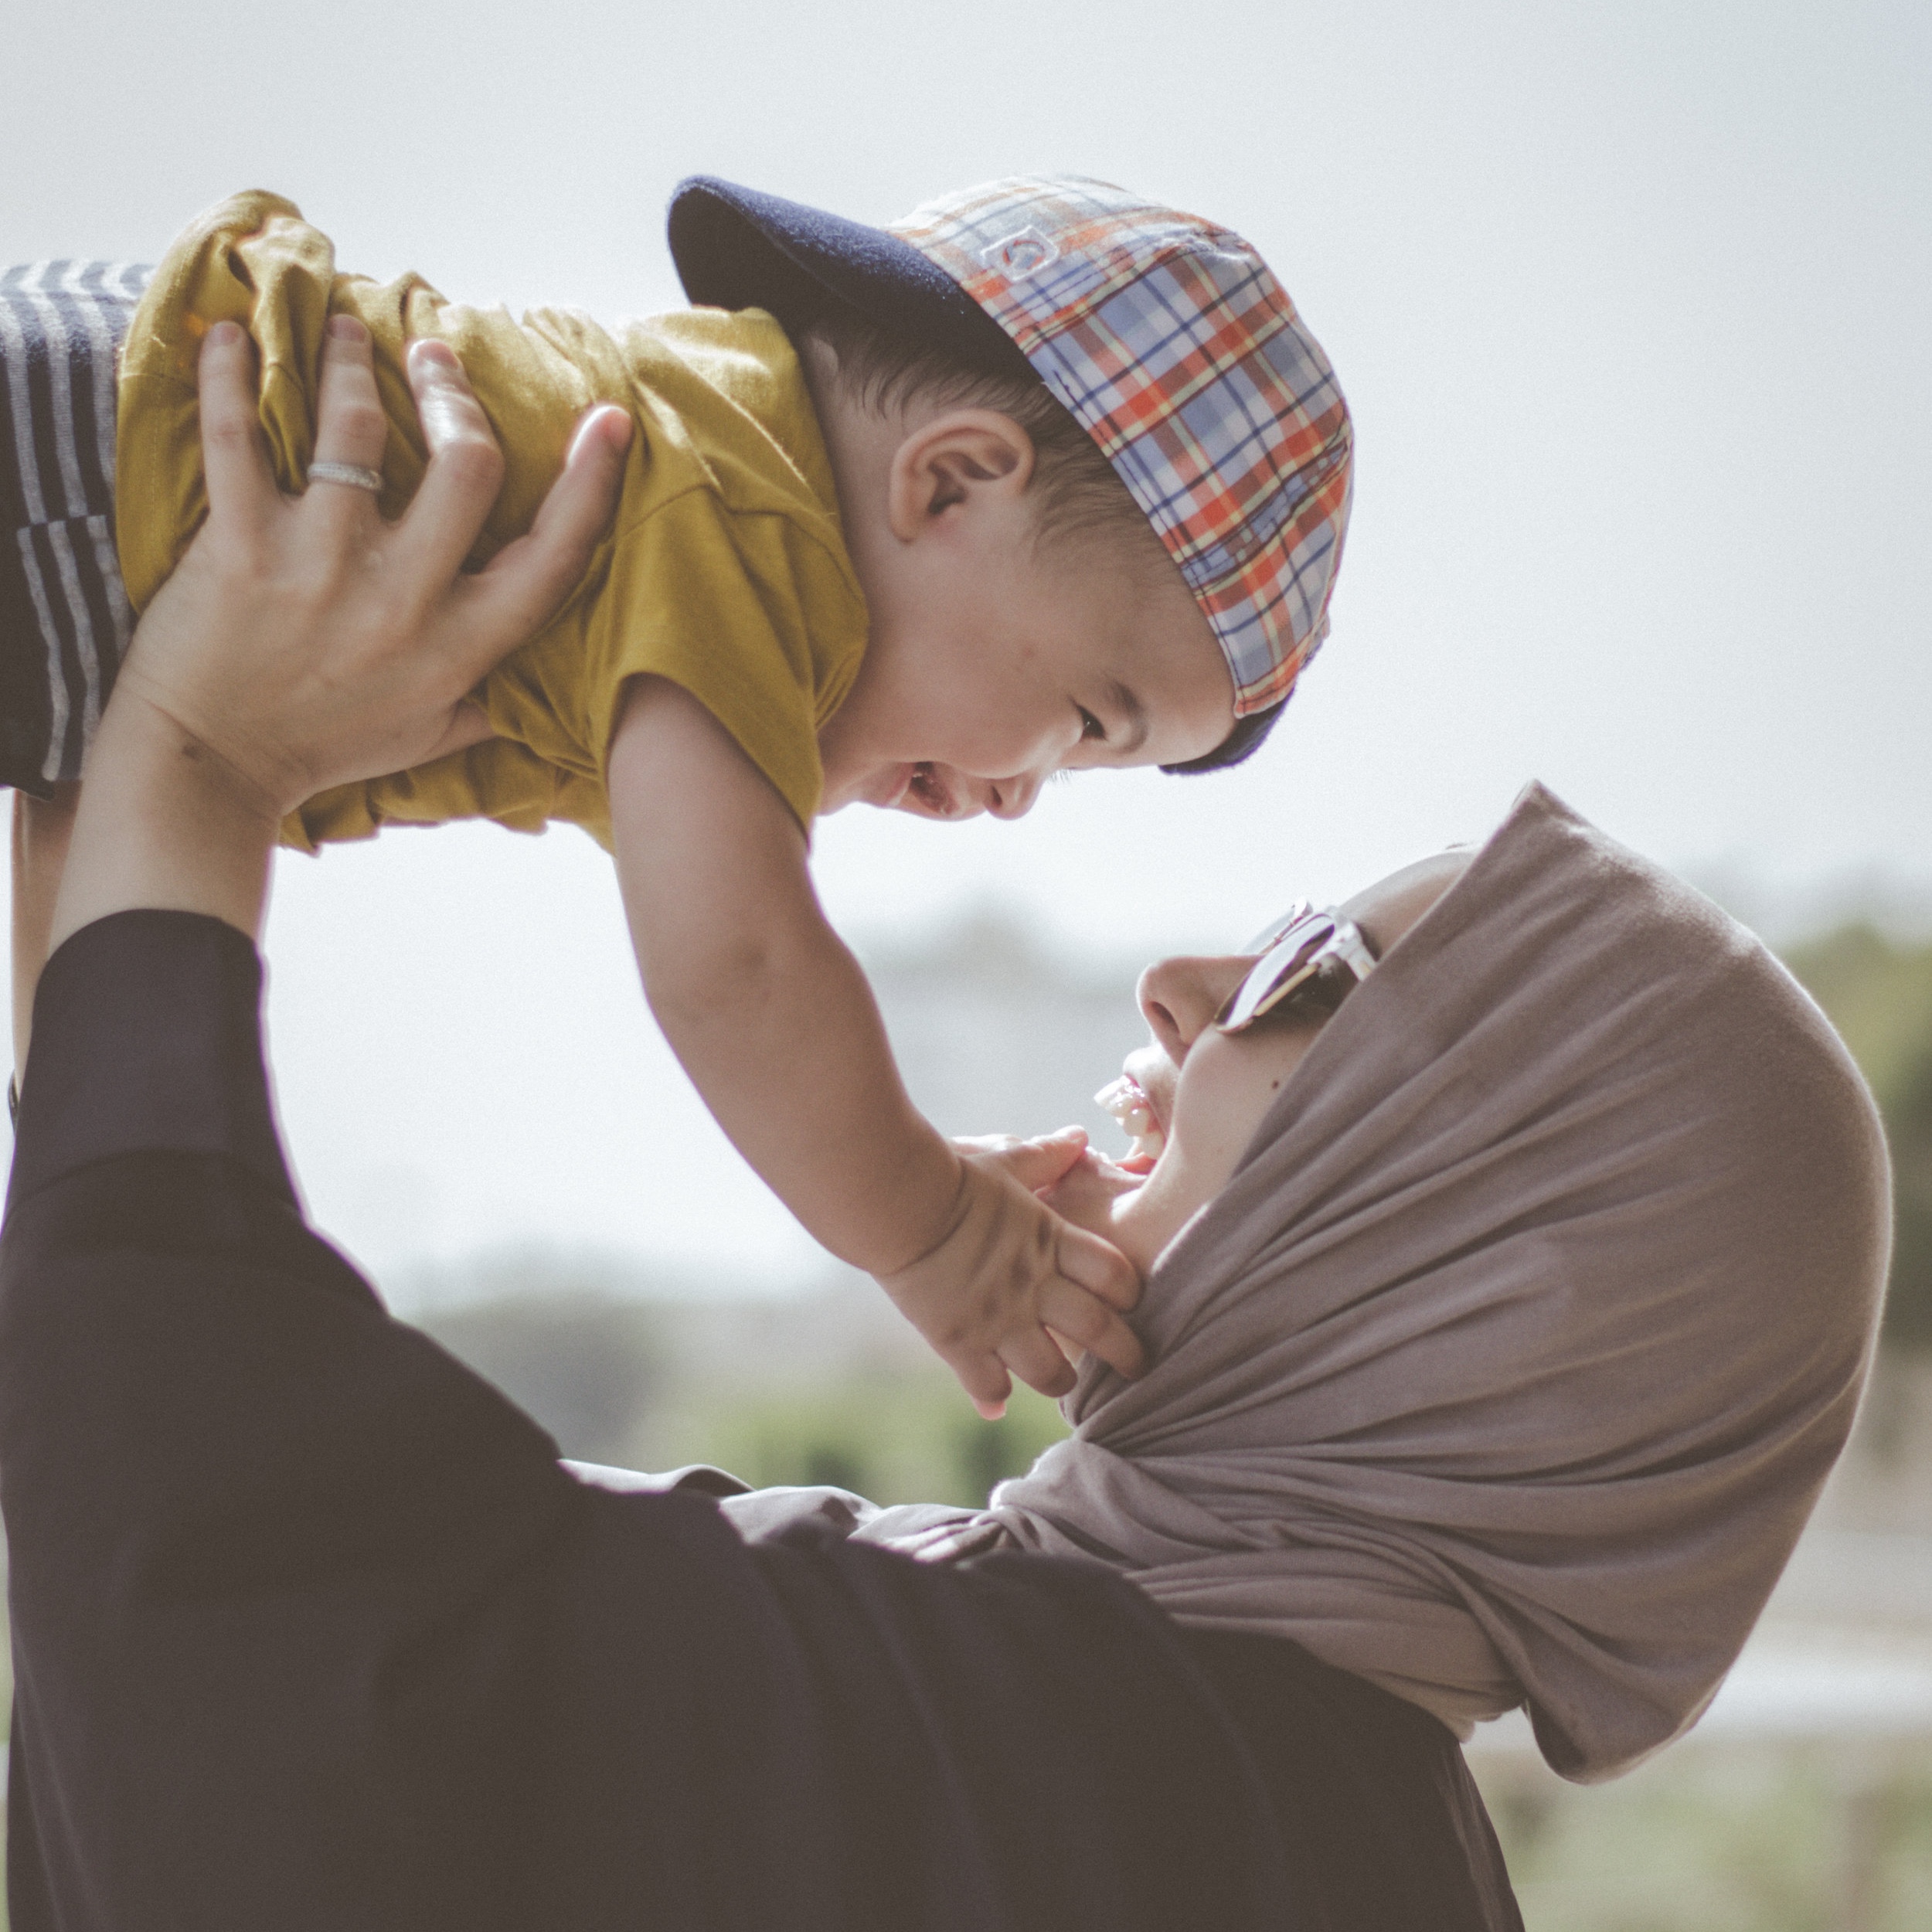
{"x":725,"y":570}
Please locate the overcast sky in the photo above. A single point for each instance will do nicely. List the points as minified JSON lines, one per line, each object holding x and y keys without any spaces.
{"x":1630,"y":301}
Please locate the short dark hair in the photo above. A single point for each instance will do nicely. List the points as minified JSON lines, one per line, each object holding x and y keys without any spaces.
{"x":1078,"y":492}
{"x":1240,"y":745}
{"x":1076,"y":489}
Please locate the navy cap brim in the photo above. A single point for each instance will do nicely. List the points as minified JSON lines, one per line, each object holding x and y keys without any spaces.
{"x":734,"y":248}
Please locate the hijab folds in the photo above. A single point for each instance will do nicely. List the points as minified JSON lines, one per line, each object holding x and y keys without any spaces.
{"x":1507,"y":1366}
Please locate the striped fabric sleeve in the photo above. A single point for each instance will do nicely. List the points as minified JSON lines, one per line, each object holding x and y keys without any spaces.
{"x":64,"y":616}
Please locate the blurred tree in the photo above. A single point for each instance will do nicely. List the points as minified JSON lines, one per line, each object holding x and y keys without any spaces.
{"x":989,"y":1452}
{"x":583,"y":1365}
{"x":1877,"y":993}
{"x":905,"y":1437}
{"x":1908,"y":1125}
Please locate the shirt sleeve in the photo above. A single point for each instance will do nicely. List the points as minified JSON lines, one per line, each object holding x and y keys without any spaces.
{"x":271,"y":1551}
{"x":720,"y":604}
{"x":147,"y":1138}
{"x":147,"y":1039}
{"x":747,"y":612}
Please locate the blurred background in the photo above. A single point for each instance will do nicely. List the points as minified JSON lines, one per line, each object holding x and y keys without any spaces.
{"x":1628,"y":300}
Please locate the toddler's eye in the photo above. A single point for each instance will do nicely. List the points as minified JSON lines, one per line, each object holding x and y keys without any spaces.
{"x":1091,"y":726}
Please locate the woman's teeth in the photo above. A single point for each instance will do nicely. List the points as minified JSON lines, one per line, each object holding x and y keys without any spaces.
{"x":1124,"y":1100}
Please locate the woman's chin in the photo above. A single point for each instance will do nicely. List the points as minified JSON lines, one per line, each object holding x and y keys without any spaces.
{"x":1147,"y":1219}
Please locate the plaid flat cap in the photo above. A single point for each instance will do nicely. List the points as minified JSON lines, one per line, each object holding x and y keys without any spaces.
{"x":1167,"y":337}
{"x":1178,"y":351}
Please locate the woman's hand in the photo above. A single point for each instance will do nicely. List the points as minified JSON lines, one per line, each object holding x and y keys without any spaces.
{"x":304,"y":642}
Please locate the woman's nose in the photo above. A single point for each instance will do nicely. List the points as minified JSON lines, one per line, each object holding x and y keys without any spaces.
{"x":1180,"y":997}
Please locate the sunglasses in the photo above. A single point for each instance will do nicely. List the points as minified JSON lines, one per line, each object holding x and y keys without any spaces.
{"x":1293,"y":951}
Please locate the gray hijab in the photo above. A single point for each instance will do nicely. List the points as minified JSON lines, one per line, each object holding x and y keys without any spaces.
{"x":1508,"y":1365}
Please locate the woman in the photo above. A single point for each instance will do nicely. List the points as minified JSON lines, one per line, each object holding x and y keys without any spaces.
{"x":1509,"y":1299}
{"x":310,"y":1626}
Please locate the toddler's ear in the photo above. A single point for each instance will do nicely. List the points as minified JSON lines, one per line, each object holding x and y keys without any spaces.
{"x":940,"y":465}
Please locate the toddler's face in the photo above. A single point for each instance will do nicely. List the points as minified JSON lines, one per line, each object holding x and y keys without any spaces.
{"x":993,"y":664}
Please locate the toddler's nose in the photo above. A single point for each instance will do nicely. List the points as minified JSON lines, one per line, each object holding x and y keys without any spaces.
{"x":1012,"y":797}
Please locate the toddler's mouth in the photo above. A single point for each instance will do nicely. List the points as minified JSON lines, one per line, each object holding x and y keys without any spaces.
{"x":1126,"y":1101}
{"x":928,"y":792}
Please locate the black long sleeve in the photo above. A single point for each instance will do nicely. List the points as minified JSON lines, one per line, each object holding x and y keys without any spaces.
{"x":312,"y":1629}
{"x":272,"y":1553}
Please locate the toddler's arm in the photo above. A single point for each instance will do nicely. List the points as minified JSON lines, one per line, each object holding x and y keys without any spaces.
{"x":774,"y":1020}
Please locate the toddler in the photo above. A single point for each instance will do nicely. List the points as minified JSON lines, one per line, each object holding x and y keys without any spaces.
{"x":1043,"y":478}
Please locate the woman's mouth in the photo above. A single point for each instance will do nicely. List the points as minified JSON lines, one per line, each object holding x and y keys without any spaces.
{"x":1126,"y":1101}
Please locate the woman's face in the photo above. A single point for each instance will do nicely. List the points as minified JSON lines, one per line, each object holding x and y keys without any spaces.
{"x":1207,"y":1091}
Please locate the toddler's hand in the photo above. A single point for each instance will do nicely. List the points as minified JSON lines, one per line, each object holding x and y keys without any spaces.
{"x":1089,"y":1191}
{"x":1009,"y":1269}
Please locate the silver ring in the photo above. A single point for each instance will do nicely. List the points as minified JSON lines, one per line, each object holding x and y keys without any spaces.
{"x":353,"y":475}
